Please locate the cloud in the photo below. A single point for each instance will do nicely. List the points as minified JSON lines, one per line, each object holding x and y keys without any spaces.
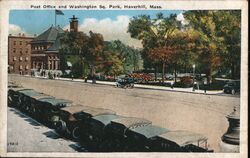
{"x":110,"y":29}
{"x":15,"y":30}
{"x":181,"y":18}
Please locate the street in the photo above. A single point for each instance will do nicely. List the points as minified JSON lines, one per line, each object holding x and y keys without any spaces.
{"x":198,"y":113}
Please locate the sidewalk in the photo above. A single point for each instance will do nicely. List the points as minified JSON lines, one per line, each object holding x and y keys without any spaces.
{"x":185,"y":90}
{"x":163,"y":88}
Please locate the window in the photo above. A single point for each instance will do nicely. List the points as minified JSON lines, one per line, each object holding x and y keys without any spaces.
{"x":20,"y":42}
{"x":14,"y":42}
{"x":14,"y":58}
{"x":14,"y":50}
{"x":21,"y":58}
{"x":26,"y":51}
{"x":26,"y":58}
{"x":20,"y":67}
{"x":27,"y":67}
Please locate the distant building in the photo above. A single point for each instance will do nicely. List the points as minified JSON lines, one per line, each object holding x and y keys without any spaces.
{"x":19,"y":54}
{"x":45,"y":47}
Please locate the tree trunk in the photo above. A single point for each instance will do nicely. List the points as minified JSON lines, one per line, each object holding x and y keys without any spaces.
{"x":93,"y":74}
{"x":209,"y":75}
{"x":163,"y":72}
{"x":233,"y":70}
{"x":155,"y":72}
{"x":175,"y":75}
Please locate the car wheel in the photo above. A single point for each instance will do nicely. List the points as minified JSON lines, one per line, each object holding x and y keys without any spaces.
{"x":76,"y":132}
{"x":61,"y":126}
{"x":233,"y":91}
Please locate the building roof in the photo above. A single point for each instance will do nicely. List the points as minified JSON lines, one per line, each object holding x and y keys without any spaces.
{"x":49,"y":35}
{"x":55,"y":47}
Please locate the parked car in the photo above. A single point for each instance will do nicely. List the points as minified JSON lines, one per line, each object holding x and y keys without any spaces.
{"x":65,"y":122}
{"x":232,"y":87}
{"x":25,"y":97}
{"x":137,"y":138}
{"x":48,"y":109}
{"x":34,"y":104}
{"x":14,"y":99}
{"x":116,"y":138}
{"x":85,"y":116}
{"x":94,"y":130}
{"x":179,"y":141}
{"x":125,"y":83}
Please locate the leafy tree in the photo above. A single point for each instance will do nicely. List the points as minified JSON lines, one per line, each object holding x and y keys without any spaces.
{"x":94,"y":51}
{"x":130,"y":56}
{"x":219,"y":42}
{"x":113,"y":64}
{"x":155,"y":35}
{"x":73,"y":43}
{"x":228,"y":24}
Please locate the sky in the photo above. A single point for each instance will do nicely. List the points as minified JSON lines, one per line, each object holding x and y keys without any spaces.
{"x":111,"y":23}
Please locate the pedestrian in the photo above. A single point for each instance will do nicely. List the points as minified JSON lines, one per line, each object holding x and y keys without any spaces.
{"x":172,"y":84}
{"x":72,"y":77}
{"x":205,"y":86}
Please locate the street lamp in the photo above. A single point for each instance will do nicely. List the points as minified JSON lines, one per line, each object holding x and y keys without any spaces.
{"x":193,"y":75}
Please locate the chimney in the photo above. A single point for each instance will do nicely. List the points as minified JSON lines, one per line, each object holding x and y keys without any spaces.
{"x":73,"y":24}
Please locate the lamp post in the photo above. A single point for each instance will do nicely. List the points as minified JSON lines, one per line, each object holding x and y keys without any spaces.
{"x":193,"y":75}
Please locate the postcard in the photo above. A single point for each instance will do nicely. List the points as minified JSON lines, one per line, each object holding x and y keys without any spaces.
{"x":124,"y":78}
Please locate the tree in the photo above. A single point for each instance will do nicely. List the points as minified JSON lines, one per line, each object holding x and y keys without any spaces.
{"x":73,"y":43}
{"x":219,"y":42}
{"x":113,"y":64}
{"x":130,"y":56}
{"x":155,"y":35}
{"x":94,"y":52}
{"x":229,"y":27}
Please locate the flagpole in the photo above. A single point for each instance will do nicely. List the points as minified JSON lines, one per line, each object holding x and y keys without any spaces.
{"x":55,"y":18}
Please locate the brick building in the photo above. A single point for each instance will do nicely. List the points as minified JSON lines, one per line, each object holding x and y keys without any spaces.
{"x":19,"y":54}
{"x":45,"y":47}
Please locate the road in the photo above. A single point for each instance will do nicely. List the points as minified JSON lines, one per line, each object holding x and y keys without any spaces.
{"x":198,"y":113}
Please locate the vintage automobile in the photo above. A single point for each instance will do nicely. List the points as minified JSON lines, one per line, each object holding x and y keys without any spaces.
{"x":178,"y":141}
{"x":116,"y":138}
{"x":232,"y":87}
{"x":94,"y":130}
{"x":11,"y":85}
{"x":48,"y":109}
{"x":125,"y":83}
{"x":14,"y":99}
{"x":25,"y":97}
{"x":137,"y":138}
{"x":82,"y":130}
{"x":65,"y":122}
{"x":34,"y":101}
